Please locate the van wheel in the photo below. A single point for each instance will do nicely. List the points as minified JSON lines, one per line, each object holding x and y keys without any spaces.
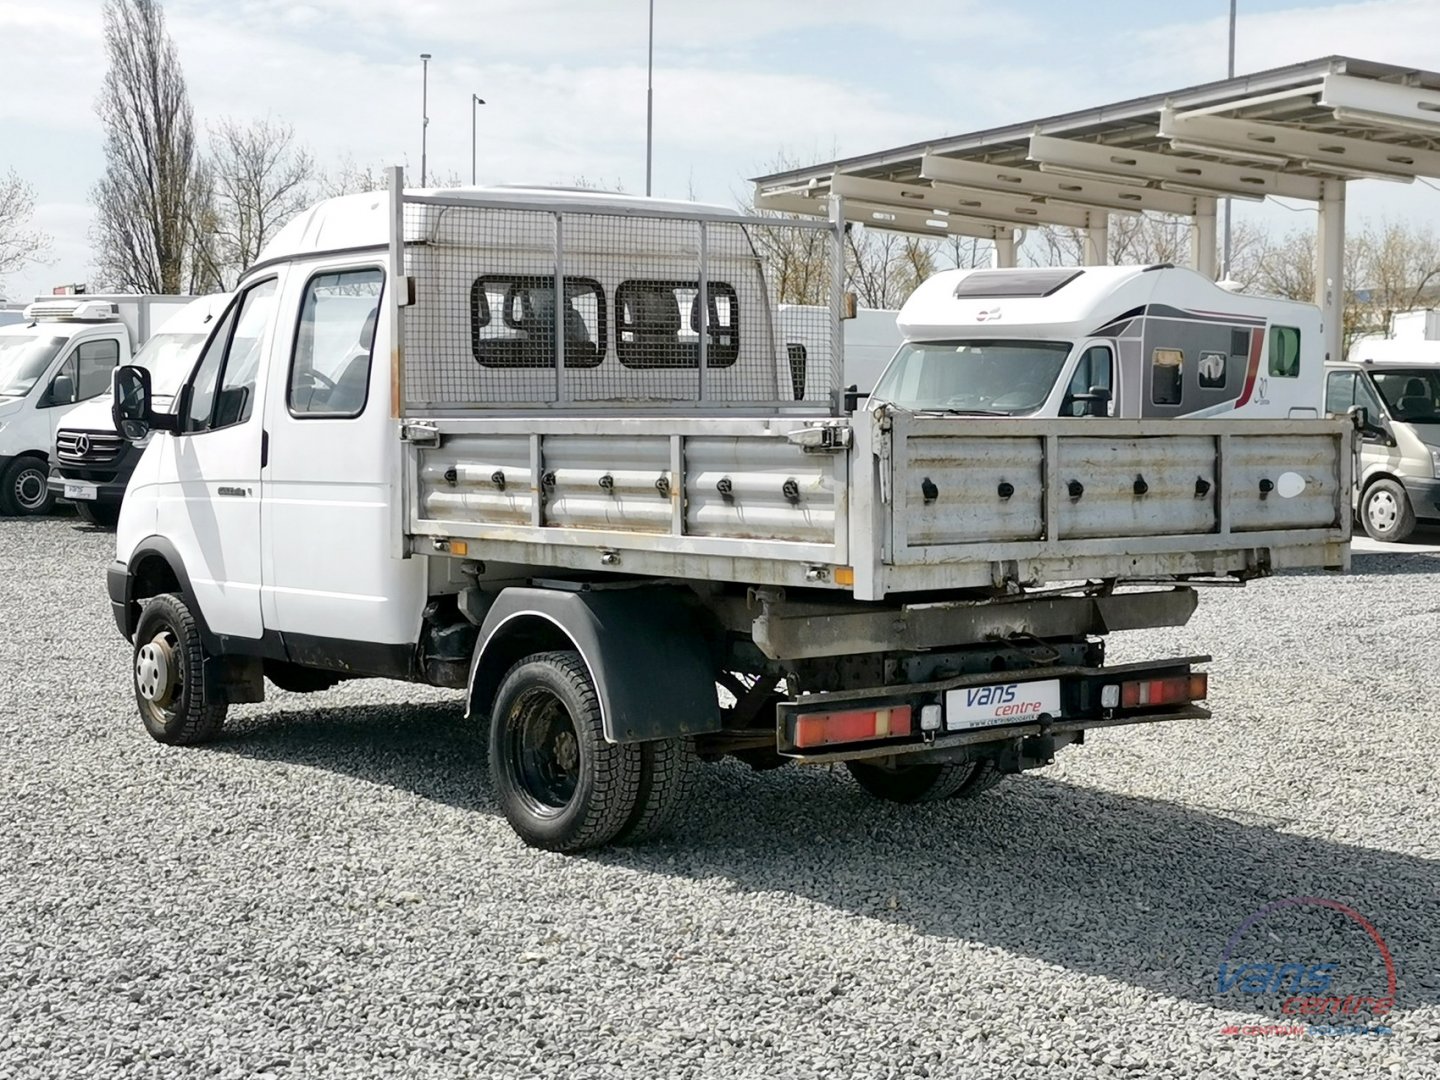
{"x":669,"y":769}
{"x":984,"y":775}
{"x":911,"y":783}
{"x":168,"y":673}
{"x":1387,"y":513}
{"x":25,"y":488}
{"x":561,"y":786}
{"x":101,"y":515}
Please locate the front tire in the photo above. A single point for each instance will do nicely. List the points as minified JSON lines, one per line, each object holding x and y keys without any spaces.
{"x":25,"y":488}
{"x":1386,"y":512}
{"x":101,"y":515}
{"x":168,"y":673}
{"x":560,"y":784}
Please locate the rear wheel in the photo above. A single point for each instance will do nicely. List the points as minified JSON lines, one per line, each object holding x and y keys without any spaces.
{"x":1386,"y":512}
{"x":668,"y":771}
{"x":561,"y":786}
{"x":101,"y":515}
{"x":25,"y":488}
{"x":169,"y":676}
{"x":983,"y":776}
{"x":911,"y":783}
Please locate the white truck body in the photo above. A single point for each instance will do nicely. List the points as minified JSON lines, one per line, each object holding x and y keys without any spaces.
{"x":870,"y":341}
{"x":388,"y":462}
{"x":60,"y":356}
{"x":1162,"y":342}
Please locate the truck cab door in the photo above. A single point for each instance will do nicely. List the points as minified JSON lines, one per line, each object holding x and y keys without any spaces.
{"x":209,"y":498}
{"x":82,"y":374}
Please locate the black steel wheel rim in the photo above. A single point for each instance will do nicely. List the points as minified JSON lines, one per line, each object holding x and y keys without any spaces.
{"x":544,"y":752}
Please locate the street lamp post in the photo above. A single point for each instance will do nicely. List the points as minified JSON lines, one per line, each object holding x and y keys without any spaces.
{"x":650,"y":98}
{"x":475,"y":99}
{"x":424,"y":110}
{"x":1225,"y":252}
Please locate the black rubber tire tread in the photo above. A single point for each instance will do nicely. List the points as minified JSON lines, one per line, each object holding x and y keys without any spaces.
{"x":982,"y":778}
{"x":101,"y":516}
{"x":9,"y":505}
{"x":911,"y":783}
{"x":609,"y":783}
{"x":669,"y":771}
{"x":1404,"y":524}
{"x":196,"y":719}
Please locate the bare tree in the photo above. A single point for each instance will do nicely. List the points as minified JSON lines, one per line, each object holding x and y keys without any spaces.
{"x":1398,"y":270}
{"x":883,"y":267}
{"x":19,"y":243}
{"x":151,"y":197}
{"x":260,"y":179}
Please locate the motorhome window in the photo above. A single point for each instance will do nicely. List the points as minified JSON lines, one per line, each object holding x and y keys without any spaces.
{"x":977,"y":377}
{"x":512,"y":321}
{"x":1167,"y":376}
{"x":1212,"y":370}
{"x":1339,"y":392}
{"x":1092,"y":372}
{"x":335,"y":343}
{"x":97,"y":361}
{"x":657,"y":324}
{"x":988,"y":284}
{"x":1412,"y":395}
{"x":24,"y":358}
{"x":1284,"y":352}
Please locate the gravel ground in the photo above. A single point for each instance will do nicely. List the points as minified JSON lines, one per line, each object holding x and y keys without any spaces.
{"x":328,"y":890}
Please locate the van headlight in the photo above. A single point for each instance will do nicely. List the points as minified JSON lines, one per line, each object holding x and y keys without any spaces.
{"x":1434,"y":461}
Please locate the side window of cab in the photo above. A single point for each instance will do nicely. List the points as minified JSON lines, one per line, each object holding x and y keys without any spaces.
{"x":221,"y":393}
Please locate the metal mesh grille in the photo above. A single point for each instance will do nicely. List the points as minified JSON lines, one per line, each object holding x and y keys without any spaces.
{"x":638,"y":301}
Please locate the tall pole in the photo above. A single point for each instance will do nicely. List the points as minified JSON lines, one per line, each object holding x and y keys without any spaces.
{"x":475,"y":99}
{"x":650,"y":99}
{"x":424,"y":110}
{"x":1225,"y":255}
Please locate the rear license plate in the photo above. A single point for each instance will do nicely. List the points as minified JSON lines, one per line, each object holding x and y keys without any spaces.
{"x":1000,"y":703}
{"x":75,"y":490}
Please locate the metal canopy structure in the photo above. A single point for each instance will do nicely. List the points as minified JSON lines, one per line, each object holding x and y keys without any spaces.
{"x":1297,"y":132}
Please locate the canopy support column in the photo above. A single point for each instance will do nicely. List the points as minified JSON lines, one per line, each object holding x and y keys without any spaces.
{"x":1097,"y":239}
{"x":1202,"y":238}
{"x":1003,"y":255}
{"x":1330,"y":267}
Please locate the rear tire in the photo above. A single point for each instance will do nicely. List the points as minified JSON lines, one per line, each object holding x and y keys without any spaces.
{"x":560,"y":785}
{"x":983,"y":776}
{"x":101,"y":515}
{"x":168,"y":674}
{"x":668,"y":772}
{"x":25,"y":488}
{"x":1386,"y":512}
{"x":912,"y":783}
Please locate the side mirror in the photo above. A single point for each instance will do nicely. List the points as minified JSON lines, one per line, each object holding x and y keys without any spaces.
{"x":853,"y":395}
{"x":1094,"y":402}
{"x":62,"y":390}
{"x":130,"y":402}
{"x":1360,"y":417}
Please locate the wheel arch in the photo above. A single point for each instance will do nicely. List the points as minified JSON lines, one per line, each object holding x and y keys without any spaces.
{"x":643,"y":648}
{"x":155,"y":567}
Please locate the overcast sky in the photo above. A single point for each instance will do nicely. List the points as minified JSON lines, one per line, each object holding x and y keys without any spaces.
{"x":736,"y":83}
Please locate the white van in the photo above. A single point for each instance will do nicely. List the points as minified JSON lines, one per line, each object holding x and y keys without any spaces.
{"x":59,"y":355}
{"x":871,"y":339}
{"x":1122,"y":341}
{"x":90,"y":463}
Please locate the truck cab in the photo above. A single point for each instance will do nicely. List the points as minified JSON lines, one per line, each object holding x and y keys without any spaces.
{"x":1397,"y":473}
{"x":90,"y":463}
{"x":1135,"y":342}
{"x":58,"y":357}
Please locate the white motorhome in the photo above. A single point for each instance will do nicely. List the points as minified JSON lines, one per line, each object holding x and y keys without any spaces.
{"x":390,"y":460}
{"x":1122,"y":341}
{"x":90,"y":464}
{"x":870,"y":341}
{"x":59,"y":355}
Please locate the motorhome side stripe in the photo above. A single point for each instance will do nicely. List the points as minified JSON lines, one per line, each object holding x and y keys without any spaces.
{"x":1257,"y":338}
{"x":1164,"y":311}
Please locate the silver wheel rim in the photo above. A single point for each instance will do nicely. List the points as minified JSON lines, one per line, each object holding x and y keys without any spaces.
{"x":30,"y":489}
{"x":155,"y":670}
{"x":1383,"y":511}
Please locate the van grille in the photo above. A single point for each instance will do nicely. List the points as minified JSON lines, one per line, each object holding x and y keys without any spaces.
{"x":88,"y":447}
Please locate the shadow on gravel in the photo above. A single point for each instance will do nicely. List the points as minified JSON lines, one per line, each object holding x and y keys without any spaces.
{"x":1393,"y":563}
{"x":1131,"y":889}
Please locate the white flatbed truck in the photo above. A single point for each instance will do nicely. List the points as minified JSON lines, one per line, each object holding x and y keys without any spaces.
{"x":628,"y":542}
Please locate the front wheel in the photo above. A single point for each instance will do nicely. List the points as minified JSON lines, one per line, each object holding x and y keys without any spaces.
{"x":25,"y":488}
{"x":561,"y":786}
{"x":1386,"y":512}
{"x":101,"y":515}
{"x":169,"y":675}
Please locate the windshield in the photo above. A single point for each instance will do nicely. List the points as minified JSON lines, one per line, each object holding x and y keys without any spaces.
{"x":1000,"y":378}
{"x":169,"y":357}
{"x":23,"y":359}
{"x":1411,"y":394}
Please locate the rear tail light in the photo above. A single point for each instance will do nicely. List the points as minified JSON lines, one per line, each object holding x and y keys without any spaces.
{"x":1173,"y":691}
{"x":859,"y":725}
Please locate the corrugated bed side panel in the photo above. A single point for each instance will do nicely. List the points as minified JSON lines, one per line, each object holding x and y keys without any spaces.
{"x":1136,"y":487}
{"x":758,"y":488}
